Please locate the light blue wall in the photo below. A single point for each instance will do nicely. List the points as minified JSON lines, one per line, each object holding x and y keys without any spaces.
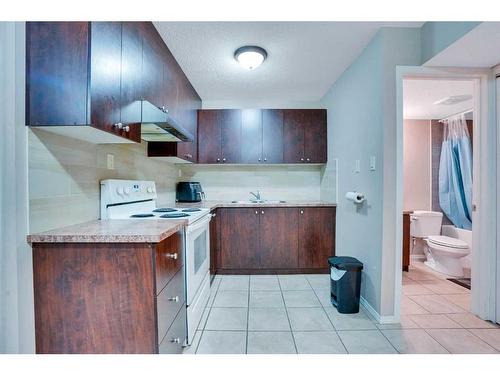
{"x":436,"y":36}
{"x":361,"y":119}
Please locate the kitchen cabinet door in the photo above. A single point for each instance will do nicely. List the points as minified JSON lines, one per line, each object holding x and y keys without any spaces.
{"x":209,"y":137}
{"x":278,"y":238}
{"x":57,"y":56}
{"x":293,"y":135}
{"x":188,"y":104}
{"x":153,"y":65}
{"x":315,"y":136}
{"x":171,"y":79}
{"x":131,"y":73}
{"x":105,"y":74}
{"x":230,"y":124}
{"x":239,"y":238}
{"x":251,"y":136}
{"x":272,"y":136}
{"x":316,"y":236}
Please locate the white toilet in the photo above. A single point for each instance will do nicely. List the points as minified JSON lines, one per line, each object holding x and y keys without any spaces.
{"x":443,"y":253}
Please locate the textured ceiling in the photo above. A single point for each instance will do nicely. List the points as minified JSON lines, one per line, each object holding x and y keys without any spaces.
{"x":304,"y":58}
{"x":419,"y":97}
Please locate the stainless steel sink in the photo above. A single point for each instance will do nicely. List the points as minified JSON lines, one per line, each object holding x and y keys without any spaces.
{"x":258,"y":202}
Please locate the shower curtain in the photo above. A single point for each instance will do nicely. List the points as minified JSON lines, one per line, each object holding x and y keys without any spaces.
{"x":455,"y":173}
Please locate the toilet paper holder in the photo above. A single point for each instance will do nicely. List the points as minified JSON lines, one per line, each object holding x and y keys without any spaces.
{"x":355,"y":197}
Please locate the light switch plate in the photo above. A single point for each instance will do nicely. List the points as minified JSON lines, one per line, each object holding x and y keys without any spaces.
{"x":110,"y":161}
{"x":372,"y":163}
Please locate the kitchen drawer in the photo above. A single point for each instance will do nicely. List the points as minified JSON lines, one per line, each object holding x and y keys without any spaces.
{"x":169,"y":302}
{"x":175,"y":338}
{"x":169,"y":259}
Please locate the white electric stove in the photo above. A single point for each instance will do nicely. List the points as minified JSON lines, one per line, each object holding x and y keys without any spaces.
{"x":132,"y":199}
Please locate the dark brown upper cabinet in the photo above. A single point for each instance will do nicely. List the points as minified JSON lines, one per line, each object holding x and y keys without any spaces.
{"x":264,"y":136}
{"x":305,"y":136}
{"x":57,"y":63}
{"x":219,"y":136}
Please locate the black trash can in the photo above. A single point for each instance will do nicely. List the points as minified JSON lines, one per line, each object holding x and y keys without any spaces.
{"x":345,"y":283}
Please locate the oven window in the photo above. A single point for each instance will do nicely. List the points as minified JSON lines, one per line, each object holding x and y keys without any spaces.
{"x":200,"y":250}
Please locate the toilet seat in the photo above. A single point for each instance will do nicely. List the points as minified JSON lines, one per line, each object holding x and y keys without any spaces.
{"x":448,"y":242}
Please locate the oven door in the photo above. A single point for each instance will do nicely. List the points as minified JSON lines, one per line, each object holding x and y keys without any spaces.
{"x":197,"y":255}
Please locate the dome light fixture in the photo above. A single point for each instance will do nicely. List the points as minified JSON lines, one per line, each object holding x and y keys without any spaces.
{"x":250,"y":57}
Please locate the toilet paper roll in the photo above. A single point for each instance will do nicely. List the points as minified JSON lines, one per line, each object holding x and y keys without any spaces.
{"x":355,"y":197}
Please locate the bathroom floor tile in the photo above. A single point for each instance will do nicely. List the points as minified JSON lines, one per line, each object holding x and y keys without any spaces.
{"x":366,"y":342}
{"x":436,"y":304}
{"x":264,"y":282}
{"x":268,"y":320}
{"x":444,"y":287}
{"x":490,"y":336}
{"x":231,"y":298}
{"x":341,"y":322}
{"x":234,"y":282}
{"x":309,"y":319}
{"x":411,"y":341}
{"x":302,"y":298}
{"x":415,"y":289}
{"x":468,"y":320}
{"x":266,"y":299}
{"x":222,"y":342}
{"x":318,"y":343}
{"x":319,"y":281}
{"x":324,"y":297}
{"x":434,"y":321}
{"x":294,"y":282}
{"x":461,"y":300}
{"x":270,"y":343}
{"x":418,"y":275}
{"x":227,"y":319}
{"x":410,"y":307}
{"x":460,"y":341}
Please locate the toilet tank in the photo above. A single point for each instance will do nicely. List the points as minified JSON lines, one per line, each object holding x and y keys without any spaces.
{"x":425,"y":223}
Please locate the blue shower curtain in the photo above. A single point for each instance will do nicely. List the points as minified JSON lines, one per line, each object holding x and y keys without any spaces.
{"x":455,"y":173}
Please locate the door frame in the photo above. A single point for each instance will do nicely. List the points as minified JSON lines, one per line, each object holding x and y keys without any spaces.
{"x":483,"y":292}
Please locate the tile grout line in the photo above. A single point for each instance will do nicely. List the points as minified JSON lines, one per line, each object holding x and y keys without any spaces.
{"x":328,"y":317}
{"x":287,"y":317}
{"x":248,"y":313}
{"x":208,"y":316}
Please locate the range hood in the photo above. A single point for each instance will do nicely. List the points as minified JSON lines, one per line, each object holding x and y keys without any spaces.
{"x":158,"y":126}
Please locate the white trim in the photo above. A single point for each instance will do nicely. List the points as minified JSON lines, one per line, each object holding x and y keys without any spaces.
{"x":484,"y":194}
{"x":386,"y":319}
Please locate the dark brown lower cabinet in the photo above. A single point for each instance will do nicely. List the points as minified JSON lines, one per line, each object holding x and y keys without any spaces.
{"x":105,"y":297}
{"x":272,"y":240}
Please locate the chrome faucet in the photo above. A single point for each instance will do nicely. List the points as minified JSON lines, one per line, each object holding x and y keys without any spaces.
{"x":256,"y":195}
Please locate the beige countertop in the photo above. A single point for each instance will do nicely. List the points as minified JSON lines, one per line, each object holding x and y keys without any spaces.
{"x":111,"y":231}
{"x":218,"y":204}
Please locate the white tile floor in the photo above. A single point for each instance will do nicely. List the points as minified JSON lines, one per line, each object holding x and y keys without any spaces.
{"x":290,"y":314}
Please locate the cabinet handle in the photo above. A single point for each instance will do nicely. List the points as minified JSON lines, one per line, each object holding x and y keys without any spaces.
{"x":189,"y":156}
{"x":118,"y":125}
{"x":175,"y":340}
{"x":259,"y":160}
{"x":262,"y":212}
{"x":265,"y":159}
{"x":164,"y":109}
{"x":171,"y":255}
{"x":301,"y":159}
{"x":126,"y":128}
{"x":308,"y":159}
{"x":302,"y":212}
{"x":256,"y":212}
{"x":213,"y":215}
{"x":218,"y":160}
{"x":174,"y":299}
{"x":223,"y":160}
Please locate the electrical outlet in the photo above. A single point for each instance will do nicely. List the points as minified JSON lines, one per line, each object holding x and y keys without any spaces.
{"x":180,"y":172}
{"x":110,"y":161}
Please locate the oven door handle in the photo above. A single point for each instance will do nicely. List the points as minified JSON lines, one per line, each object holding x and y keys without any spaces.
{"x":199,"y":224}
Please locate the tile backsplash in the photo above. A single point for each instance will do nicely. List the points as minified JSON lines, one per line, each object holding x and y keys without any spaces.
{"x":64,"y":175}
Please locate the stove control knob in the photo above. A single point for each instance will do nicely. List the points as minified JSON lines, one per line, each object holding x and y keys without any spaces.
{"x":120,"y":191}
{"x":128,"y":191}
{"x":149,"y":189}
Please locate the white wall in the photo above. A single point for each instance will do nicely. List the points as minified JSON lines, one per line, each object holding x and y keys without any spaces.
{"x":362,"y":123}
{"x":417,"y":176}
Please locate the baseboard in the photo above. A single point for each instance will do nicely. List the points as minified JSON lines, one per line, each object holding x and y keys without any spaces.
{"x":384,"y":319}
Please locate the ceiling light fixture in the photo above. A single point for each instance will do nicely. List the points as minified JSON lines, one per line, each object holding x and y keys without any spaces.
{"x":250,"y":57}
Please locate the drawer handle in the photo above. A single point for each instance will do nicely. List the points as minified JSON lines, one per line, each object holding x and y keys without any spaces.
{"x":171,"y":255}
{"x":262,"y":212}
{"x":175,"y":341}
{"x":174,"y":299}
{"x":256,"y":212}
{"x":302,"y":212}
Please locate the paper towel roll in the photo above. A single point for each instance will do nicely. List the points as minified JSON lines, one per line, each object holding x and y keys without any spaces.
{"x":355,"y":197}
